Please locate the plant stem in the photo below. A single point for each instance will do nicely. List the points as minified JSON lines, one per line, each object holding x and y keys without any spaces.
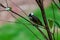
{"x":40,"y":4}
{"x":56,"y":4}
{"x":25,"y":19}
{"x":41,"y":32}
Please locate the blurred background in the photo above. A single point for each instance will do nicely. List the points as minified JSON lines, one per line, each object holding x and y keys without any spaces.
{"x":26,"y":5}
{"x":14,"y":31}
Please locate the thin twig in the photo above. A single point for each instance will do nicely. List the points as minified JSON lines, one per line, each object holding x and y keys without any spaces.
{"x":19,"y":15}
{"x":56,"y":4}
{"x":59,"y":1}
{"x":26,"y":27}
{"x":57,"y":23}
{"x":41,"y":32}
{"x":40,"y":4}
{"x":59,"y":9}
{"x":19,"y":7}
{"x":16,"y":14}
{"x":30,"y":22}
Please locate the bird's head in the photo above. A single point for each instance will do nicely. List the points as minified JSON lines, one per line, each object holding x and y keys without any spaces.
{"x":31,"y":14}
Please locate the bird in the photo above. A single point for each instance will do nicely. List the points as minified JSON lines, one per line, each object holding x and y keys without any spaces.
{"x":35,"y":19}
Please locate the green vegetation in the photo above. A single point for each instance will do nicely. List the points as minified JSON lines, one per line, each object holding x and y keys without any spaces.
{"x":15,"y":31}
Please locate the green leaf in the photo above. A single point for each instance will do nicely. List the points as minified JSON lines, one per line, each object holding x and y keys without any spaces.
{"x":50,"y":23}
{"x":57,"y":24}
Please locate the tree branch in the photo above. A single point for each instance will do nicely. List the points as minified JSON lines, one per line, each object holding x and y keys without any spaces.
{"x":26,"y":20}
{"x":40,"y":4}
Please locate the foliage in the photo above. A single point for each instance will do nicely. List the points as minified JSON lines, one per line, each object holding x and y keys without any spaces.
{"x":13,"y":31}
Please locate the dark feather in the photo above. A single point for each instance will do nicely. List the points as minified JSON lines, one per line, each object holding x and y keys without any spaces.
{"x":35,"y":20}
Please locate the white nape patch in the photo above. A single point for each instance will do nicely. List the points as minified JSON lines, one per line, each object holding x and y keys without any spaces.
{"x":32,"y":13}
